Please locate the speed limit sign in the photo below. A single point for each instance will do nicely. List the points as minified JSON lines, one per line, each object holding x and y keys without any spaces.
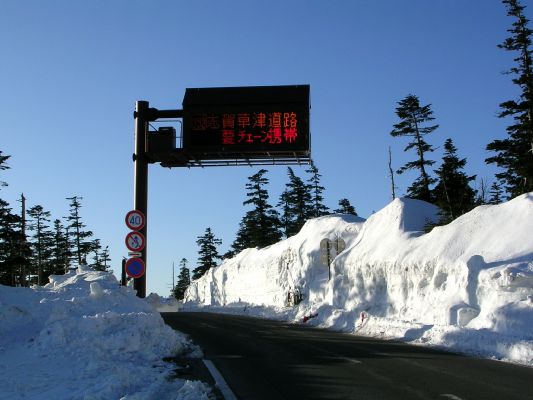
{"x":135,"y":220}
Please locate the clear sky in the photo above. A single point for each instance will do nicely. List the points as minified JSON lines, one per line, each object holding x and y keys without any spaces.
{"x":71,"y":72}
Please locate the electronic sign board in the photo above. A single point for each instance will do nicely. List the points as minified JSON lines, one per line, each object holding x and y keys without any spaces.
{"x":246,"y":122}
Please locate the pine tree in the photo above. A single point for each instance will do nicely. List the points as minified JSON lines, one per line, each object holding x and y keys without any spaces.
{"x":60,"y":249}
{"x":345,"y":208}
{"x":515,"y":153}
{"x":481,"y":189}
{"x":95,"y":248}
{"x":259,"y":226}
{"x":496,"y":193}
{"x":453,"y":193}
{"x":14,"y":250}
{"x":184,"y":280}
{"x":42,"y":242}
{"x":12,"y":260}
{"x":315,"y":189}
{"x":208,"y":253}
{"x":296,"y":205}
{"x":414,"y":119}
{"x":81,"y":244}
{"x":105,"y":259}
{"x":3,"y":166}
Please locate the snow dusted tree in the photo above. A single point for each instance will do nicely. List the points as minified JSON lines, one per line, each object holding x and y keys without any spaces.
{"x":515,"y":153}
{"x":317,"y":208}
{"x":259,"y":226}
{"x":414,"y":119}
{"x":184,"y":280}
{"x":453,"y":193}
{"x":208,"y":253}
{"x":345,"y":208}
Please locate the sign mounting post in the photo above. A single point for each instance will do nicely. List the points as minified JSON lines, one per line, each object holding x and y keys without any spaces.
{"x":140,"y":201}
{"x":256,"y":125}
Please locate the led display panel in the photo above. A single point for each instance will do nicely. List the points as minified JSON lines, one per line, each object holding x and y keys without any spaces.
{"x":247,"y":122}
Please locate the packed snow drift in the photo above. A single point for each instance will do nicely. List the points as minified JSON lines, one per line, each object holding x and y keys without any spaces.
{"x":466,"y":286}
{"x":83,"y":336}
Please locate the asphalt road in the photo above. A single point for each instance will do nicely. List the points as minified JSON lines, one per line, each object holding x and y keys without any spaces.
{"x":263,"y":359}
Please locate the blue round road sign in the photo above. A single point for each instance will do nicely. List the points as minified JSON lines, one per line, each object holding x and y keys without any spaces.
{"x":135,"y":267}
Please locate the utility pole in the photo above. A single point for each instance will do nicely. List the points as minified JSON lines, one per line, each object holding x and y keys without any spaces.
{"x":140,"y":201}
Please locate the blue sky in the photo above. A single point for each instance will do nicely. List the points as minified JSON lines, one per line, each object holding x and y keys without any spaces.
{"x":71,"y":72}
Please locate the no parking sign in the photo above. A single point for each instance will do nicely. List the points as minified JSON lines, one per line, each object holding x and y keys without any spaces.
{"x":135,"y":267}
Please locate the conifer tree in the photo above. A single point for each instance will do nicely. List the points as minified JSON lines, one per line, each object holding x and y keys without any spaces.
{"x":496,"y":193}
{"x":11,"y":258}
{"x":60,"y":250}
{"x":95,"y":248}
{"x":208,"y":253}
{"x":345,"y":208}
{"x":453,"y":193}
{"x":315,"y":189}
{"x":3,"y":166}
{"x":81,"y":243}
{"x":414,"y":119}
{"x":259,"y":226}
{"x":184,"y":280}
{"x":42,"y":242}
{"x":14,"y":250}
{"x":105,"y":259}
{"x":296,"y":204}
{"x":515,"y":153}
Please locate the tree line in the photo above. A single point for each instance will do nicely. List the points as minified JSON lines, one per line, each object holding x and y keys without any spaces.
{"x":264,"y":224}
{"x":33,"y":247}
{"x":448,"y":186}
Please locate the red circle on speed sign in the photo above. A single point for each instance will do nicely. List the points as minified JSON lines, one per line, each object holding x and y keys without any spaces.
{"x":135,"y":241}
{"x":135,"y":267}
{"x":135,"y":220}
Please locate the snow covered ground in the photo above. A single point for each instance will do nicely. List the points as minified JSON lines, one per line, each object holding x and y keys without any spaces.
{"x":466,"y":286}
{"x":84,"y":337}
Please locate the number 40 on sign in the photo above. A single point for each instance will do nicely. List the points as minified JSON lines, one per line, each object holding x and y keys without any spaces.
{"x":135,"y":220}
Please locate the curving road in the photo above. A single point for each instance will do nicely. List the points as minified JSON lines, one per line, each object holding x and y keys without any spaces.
{"x":263,"y":359}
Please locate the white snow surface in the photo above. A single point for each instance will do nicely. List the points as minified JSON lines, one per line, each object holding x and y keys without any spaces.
{"x":466,"y":286}
{"x":83,"y":336}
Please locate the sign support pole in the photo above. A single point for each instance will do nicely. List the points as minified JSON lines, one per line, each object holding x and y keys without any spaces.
{"x":140,"y":201}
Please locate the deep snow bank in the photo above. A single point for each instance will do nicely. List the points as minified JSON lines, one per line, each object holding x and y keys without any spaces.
{"x":467,"y":285}
{"x":265,"y":276}
{"x":84,"y":337}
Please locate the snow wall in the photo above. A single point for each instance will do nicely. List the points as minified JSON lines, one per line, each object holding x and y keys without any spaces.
{"x":468,"y":282}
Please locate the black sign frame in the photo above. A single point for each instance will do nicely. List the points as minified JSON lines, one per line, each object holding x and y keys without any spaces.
{"x":268,"y":122}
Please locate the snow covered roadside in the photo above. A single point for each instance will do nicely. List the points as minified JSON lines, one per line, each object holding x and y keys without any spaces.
{"x":83,"y":336}
{"x":466,"y":286}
